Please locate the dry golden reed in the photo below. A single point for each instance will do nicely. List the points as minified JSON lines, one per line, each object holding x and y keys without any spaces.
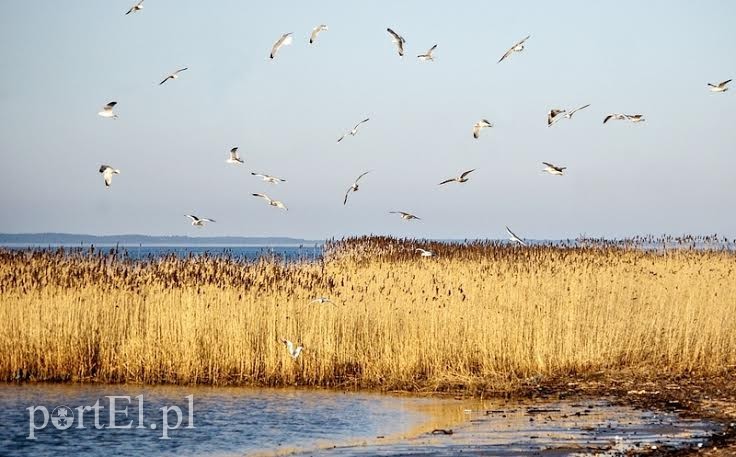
{"x":476,"y":316}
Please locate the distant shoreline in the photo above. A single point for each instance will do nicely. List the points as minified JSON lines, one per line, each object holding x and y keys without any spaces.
{"x":72,"y":240}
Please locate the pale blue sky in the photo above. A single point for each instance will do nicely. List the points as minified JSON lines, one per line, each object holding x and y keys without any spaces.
{"x":673,"y":173}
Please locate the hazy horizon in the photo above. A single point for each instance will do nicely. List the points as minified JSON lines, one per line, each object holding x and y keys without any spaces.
{"x":670,"y":174}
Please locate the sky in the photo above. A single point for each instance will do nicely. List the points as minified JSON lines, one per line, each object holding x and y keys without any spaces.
{"x":673,"y":173}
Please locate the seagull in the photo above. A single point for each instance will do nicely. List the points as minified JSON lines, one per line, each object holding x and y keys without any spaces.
{"x":624,"y":117}
{"x":294,"y":353}
{"x":283,"y":41}
{"x":518,"y":47}
{"x":553,"y":170}
{"x":197,"y":222}
{"x":354,"y":187}
{"x":234,"y":157}
{"x":107,"y":111}
{"x":460,"y":179}
{"x":568,"y":115}
{"x":173,"y":75}
{"x":268,"y":178}
{"x":428,"y":55}
{"x":514,"y":238}
{"x":135,"y":8}
{"x":107,"y":172}
{"x":720,"y":87}
{"x":321,"y":300}
{"x":399,"y":40}
{"x":552,"y":116}
{"x":404,"y":215}
{"x":315,"y":32}
{"x":271,"y":201}
{"x":480,"y":125}
{"x":354,"y":131}
{"x":635,"y":117}
{"x":424,"y":252}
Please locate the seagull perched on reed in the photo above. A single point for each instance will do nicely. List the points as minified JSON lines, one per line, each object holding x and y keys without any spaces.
{"x":480,"y":125}
{"x":514,"y":238}
{"x":424,"y":252}
{"x":107,"y":111}
{"x":316,"y":31}
{"x":107,"y":172}
{"x":283,"y":41}
{"x":720,"y":87}
{"x":272,"y":202}
{"x":234,"y":157}
{"x":624,"y":117}
{"x":518,"y":47}
{"x":174,"y":75}
{"x":459,"y":179}
{"x":268,"y":178}
{"x":198,"y":222}
{"x":293,"y":352}
{"x":553,"y":170}
{"x":427,"y":56}
{"x":135,"y":8}
{"x":404,"y":215}
{"x":354,"y":187}
{"x":398,"y":40}
{"x":354,"y":130}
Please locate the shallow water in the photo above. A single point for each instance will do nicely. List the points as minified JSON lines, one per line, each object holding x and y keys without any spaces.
{"x":238,"y":421}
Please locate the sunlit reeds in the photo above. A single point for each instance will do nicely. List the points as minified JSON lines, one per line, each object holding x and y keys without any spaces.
{"x":477,"y":316}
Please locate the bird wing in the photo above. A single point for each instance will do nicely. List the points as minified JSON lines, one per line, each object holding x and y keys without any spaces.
{"x":508,"y":53}
{"x":724,"y":83}
{"x":234,"y":153}
{"x":362,"y":122}
{"x":110,"y":106}
{"x":578,"y":109}
{"x":180,"y":70}
{"x":315,"y":32}
{"x":341,"y":138}
{"x":398,"y":39}
{"x":395,"y":35}
{"x":262,"y":196}
{"x":193,"y":218}
{"x":107,"y":175}
{"x":522,"y":41}
{"x":345,"y":201}
{"x":280,"y":42}
{"x":512,"y":234}
{"x":549,"y":164}
{"x":432,"y":49}
{"x":164,"y":80}
{"x":476,"y":130}
{"x":208,"y":220}
{"x":467,"y":173}
{"x":446,"y":181}
{"x":607,"y":118}
{"x":361,"y":175}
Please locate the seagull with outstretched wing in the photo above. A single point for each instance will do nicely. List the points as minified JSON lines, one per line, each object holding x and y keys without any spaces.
{"x":135,"y":8}
{"x":480,"y":125}
{"x":107,"y":172}
{"x":518,"y":47}
{"x":234,"y":157}
{"x":720,"y":87}
{"x":428,"y":56}
{"x":272,"y":202}
{"x":354,"y":187}
{"x":459,"y":179}
{"x":198,"y":221}
{"x":398,"y":40}
{"x":284,"y":40}
{"x":107,"y":111}
{"x":354,"y":130}
{"x":404,"y":215}
{"x":514,"y":238}
{"x":173,"y":75}
{"x":316,"y":31}
{"x":553,"y":169}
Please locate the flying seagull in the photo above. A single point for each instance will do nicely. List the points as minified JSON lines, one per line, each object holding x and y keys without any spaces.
{"x":316,"y":31}
{"x":428,"y":55}
{"x":354,"y":131}
{"x":271,"y":201}
{"x":107,"y":111}
{"x":424,"y":252}
{"x":293,"y":352}
{"x":480,"y":125}
{"x":624,"y":117}
{"x":234,"y":157}
{"x":198,"y":222}
{"x":553,"y":116}
{"x":173,"y":75}
{"x":553,"y":170}
{"x":460,"y":179}
{"x":568,"y":114}
{"x":518,"y":47}
{"x":720,"y":87}
{"x":404,"y":215}
{"x":399,"y":40}
{"x":354,"y":187}
{"x":268,"y":178}
{"x":107,"y":172}
{"x":135,"y":8}
{"x":283,"y":41}
{"x":514,"y":238}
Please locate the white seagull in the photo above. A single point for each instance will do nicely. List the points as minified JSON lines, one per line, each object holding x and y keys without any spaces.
{"x":354,"y":187}
{"x":234,"y":157}
{"x":553,"y":170}
{"x":460,"y":179}
{"x":568,"y":114}
{"x":518,"y":47}
{"x":107,"y":172}
{"x":480,"y":125}
{"x":427,"y":56}
{"x":268,"y":178}
{"x":316,"y":31}
{"x":135,"y":8}
{"x":720,"y":87}
{"x":514,"y":238}
{"x":272,"y":202}
{"x":404,"y":215}
{"x":107,"y":111}
{"x":283,"y":41}
{"x":399,"y":40}
{"x":424,"y":252}
{"x":624,"y":117}
{"x":293,"y":352}
{"x":354,"y":131}
{"x":198,"y":222}
{"x":173,"y":75}
{"x":321,"y":300}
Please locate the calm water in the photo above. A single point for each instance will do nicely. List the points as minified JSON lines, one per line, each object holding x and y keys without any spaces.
{"x":234,"y":421}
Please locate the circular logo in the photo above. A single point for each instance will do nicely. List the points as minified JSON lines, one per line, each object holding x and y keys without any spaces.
{"x":62,"y":417}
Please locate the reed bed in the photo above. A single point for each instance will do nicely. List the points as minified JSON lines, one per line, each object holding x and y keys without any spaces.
{"x":477,"y":316}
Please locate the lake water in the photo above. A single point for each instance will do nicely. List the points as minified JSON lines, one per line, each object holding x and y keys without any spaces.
{"x":241,"y":421}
